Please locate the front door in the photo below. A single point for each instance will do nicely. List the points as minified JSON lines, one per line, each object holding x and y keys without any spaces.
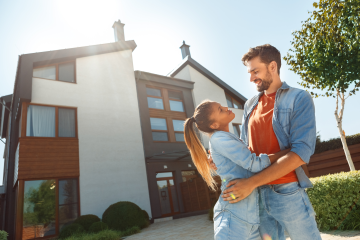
{"x":167,"y":194}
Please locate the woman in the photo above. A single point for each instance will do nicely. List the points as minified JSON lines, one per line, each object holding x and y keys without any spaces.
{"x":233,"y":160}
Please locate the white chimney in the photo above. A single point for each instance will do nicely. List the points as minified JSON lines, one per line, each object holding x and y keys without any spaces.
{"x":119,"y":31}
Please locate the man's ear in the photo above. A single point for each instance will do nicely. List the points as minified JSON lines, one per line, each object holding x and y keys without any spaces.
{"x":273,"y":67}
{"x":214,"y":126}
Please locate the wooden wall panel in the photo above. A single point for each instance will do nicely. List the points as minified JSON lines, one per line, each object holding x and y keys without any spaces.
{"x":333,"y":161}
{"x":41,"y":158}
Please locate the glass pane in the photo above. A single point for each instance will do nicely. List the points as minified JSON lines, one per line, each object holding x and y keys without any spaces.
{"x":160,"y":136}
{"x":236,"y":130}
{"x":179,"y":137}
{"x":153,"y":92}
{"x":40,"y":121}
{"x":188,"y":175}
{"x":176,"y":106}
{"x":175,"y":95}
{"x":158,"y":124}
{"x":66,"y":122}
{"x":229,"y":102}
{"x":45,"y":72}
{"x":174,"y":196}
{"x":67,"y":72}
{"x":67,"y":214}
{"x":237,"y":104}
{"x":178,"y":125}
{"x":164,"y":197}
{"x":164,"y":174}
{"x":68,"y":191}
{"x":155,"y":103}
{"x":39,"y":209}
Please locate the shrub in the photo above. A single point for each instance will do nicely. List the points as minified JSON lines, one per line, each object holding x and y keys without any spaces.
{"x":71,"y":230}
{"x":124,"y":215}
{"x":335,"y":199}
{"x":146,"y":215}
{"x":3,"y":235}
{"x":335,"y":143}
{"x":87,"y":220}
{"x":131,"y":231}
{"x":103,"y":235}
{"x":98,"y":227}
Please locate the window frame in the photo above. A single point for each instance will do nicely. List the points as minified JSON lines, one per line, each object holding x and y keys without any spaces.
{"x":178,"y":131}
{"x":57,"y":71}
{"x":232,"y":101}
{"x":20,"y":205}
{"x":237,"y":125}
{"x":24,"y":120}
{"x":155,"y":130}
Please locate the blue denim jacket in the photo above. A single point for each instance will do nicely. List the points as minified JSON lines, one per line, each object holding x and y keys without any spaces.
{"x":293,"y":123}
{"x":234,"y":160}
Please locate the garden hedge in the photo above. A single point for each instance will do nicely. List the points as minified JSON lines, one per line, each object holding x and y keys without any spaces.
{"x":335,"y":143}
{"x":3,"y":235}
{"x":87,"y":220}
{"x":98,"y":227}
{"x":71,"y":230}
{"x":336,"y":200}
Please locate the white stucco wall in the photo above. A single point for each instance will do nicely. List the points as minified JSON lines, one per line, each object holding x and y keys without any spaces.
{"x":112,"y":164}
{"x":204,"y":89}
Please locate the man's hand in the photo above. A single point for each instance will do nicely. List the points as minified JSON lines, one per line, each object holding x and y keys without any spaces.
{"x":238,"y":189}
{"x":212,"y":164}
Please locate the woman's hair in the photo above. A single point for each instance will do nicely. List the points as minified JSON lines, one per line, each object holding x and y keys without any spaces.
{"x":202,"y":121}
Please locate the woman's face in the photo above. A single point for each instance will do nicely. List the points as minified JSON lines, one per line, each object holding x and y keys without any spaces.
{"x":221,"y":116}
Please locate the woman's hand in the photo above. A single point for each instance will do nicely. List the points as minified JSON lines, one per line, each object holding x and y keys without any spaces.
{"x":238,"y":190}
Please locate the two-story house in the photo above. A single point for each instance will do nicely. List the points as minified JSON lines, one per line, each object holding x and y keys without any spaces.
{"x":84,"y":130}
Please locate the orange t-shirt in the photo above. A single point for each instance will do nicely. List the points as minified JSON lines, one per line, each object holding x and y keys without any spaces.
{"x":262,"y":138}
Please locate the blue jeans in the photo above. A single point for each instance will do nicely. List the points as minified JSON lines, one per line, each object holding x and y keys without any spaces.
{"x":286,"y":207}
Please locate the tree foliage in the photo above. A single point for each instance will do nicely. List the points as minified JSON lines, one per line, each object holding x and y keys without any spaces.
{"x":326,"y":51}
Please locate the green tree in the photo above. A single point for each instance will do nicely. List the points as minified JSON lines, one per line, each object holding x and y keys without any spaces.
{"x":326,"y":54}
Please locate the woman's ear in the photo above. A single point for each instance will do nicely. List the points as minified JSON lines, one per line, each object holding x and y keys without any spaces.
{"x":214,"y":126}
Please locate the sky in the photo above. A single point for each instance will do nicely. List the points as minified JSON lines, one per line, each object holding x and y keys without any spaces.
{"x":218,"y":32}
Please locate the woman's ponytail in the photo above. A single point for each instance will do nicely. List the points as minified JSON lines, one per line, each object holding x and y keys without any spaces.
{"x":198,"y":152}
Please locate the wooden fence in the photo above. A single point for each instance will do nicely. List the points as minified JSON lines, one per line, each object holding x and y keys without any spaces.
{"x":197,"y":196}
{"x":333,"y":161}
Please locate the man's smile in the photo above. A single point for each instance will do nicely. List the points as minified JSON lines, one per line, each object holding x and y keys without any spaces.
{"x":257,"y":82}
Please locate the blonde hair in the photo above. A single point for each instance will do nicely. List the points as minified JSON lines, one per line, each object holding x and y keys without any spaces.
{"x":202,"y":121}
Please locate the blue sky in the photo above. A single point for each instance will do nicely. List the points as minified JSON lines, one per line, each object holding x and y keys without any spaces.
{"x":219,"y":33}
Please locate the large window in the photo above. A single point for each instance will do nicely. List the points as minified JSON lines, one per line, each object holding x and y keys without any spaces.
{"x":45,"y":121}
{"x":159,"y":129}
{"x":232,"y":103}
{"x":164,"y":99}
{"x":179,"y":130}
{"x":61,"y":71}
{"x":42,"y":198}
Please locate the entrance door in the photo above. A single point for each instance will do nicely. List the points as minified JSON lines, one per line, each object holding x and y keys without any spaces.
{"x":167,"y":194}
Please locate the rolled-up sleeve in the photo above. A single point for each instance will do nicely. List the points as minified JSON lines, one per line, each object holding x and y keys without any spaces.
{"x":303,"y":127}
{"x":237,"y":151}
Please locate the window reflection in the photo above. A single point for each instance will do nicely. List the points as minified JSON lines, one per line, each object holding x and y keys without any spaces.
{"x":68,"y":199}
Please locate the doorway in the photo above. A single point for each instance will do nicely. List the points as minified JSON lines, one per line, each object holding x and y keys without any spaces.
{"x":167,"y":194}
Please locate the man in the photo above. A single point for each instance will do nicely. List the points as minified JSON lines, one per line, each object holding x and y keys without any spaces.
{"x":279,"y":117}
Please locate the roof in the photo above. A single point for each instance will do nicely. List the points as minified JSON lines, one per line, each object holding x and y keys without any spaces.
{"x":163,"y":79}
{"x":189,"y":61}
{"x":170,"y":156}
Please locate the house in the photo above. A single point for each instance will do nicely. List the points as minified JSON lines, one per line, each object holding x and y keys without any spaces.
{"x":83,"y":130}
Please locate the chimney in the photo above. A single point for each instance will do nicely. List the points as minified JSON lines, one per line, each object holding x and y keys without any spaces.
{"x":119,"y":31}
{"x":185,"y":51}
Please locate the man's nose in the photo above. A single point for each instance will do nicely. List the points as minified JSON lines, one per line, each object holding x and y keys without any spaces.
{"x":252,"y":78}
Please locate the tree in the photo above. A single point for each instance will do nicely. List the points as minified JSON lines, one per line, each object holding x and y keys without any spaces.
{"x":326,"y":55}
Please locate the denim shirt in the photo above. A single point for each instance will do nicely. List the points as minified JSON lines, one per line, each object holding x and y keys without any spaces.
{"x":293,"y":123}
{"x":234,"y":160}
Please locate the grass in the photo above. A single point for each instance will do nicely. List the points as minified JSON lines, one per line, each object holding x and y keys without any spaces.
{"x":105,"y":235}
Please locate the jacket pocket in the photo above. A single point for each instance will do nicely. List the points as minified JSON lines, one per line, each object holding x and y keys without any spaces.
{"x":283,"y":118}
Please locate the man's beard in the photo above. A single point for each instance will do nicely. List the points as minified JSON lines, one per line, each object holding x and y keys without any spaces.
{"x":265,"y":83}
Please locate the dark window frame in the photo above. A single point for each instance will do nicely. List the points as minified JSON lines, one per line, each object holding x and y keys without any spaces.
{"x":57,"y":71}
{"x":232,"y":101}
{"x":237,"y":125}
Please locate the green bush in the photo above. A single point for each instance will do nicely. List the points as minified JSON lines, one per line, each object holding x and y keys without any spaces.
{"x":335,"y":199}
{"x":71,"y":230}
{"x":3,"y":235}
{"x":87,"y":220}
{"x":146,"y":215}
{"x":103,"y":235}
{"x":124,"y":215}
{"x":335,"y":143}
{"x":131,"y":231}
{"x":98,"y":227}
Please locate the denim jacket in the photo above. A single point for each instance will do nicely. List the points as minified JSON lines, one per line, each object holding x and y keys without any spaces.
{"x":293,"y":123}
{"x":234,"y":160}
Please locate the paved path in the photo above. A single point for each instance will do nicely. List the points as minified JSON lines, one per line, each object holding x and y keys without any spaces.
{"x":199,"y":227}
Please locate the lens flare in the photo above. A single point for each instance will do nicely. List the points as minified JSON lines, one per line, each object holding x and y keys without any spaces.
{"x":266,"y":237}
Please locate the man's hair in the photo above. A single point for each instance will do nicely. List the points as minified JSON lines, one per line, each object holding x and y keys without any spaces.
{"x":267,"y":54}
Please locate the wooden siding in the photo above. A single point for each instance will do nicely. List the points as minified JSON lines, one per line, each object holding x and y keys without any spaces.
{"x":42,"y":158}
{"x":333,"y":161}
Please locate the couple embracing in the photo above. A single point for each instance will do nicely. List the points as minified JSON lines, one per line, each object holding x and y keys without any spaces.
{"x":263,"y":181}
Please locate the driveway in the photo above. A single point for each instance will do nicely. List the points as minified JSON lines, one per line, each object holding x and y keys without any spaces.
{"x":199,"y":227}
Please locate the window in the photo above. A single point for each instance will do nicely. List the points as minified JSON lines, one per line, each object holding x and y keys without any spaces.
{"x":175,"y":100}
{"x":159,"y":129}
{"x":155,"y":99}
{"x":41,"y":121}
{"x":61,"y":72}
{"x":236,"y":129}
{"x":232,"y":103}
{"x":40,"y":204}
{"x":189,"y":175}
{"x":179,"y":130}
